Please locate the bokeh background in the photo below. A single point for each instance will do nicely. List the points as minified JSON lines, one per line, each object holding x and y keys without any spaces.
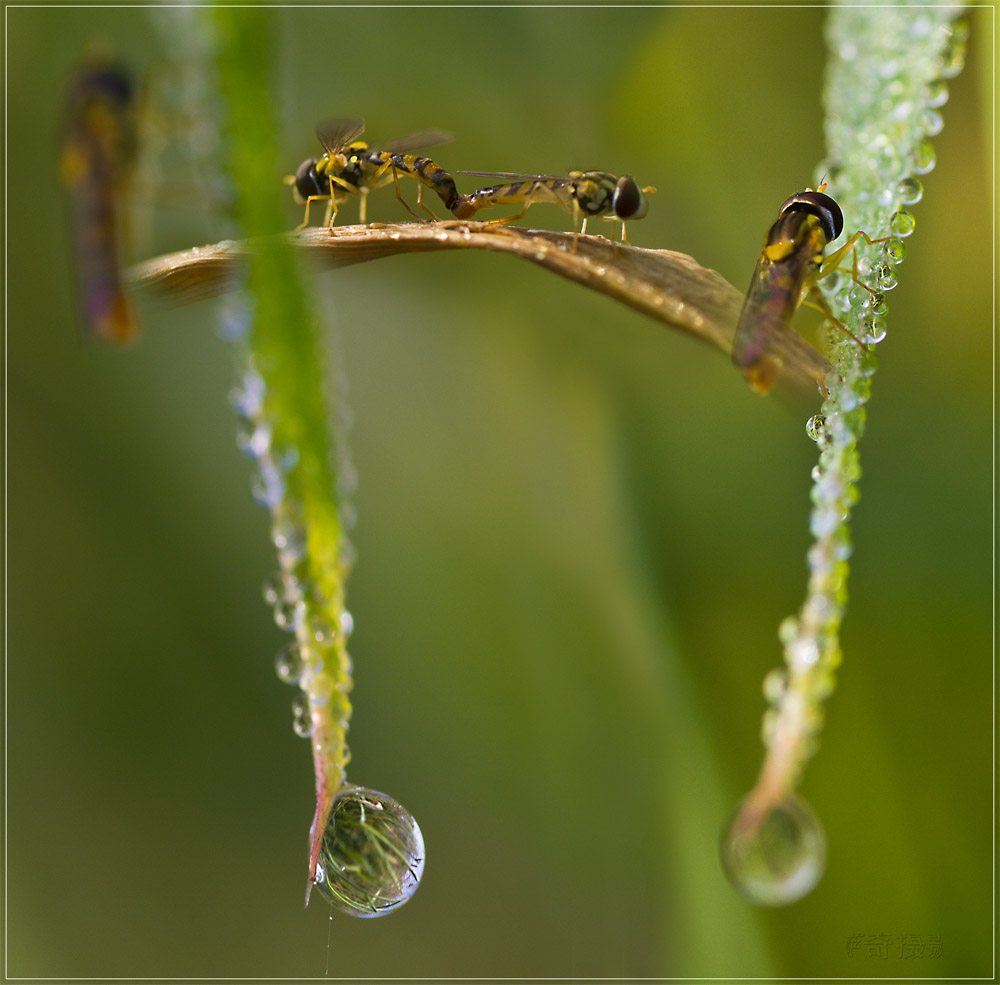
{"x":577,"y":535}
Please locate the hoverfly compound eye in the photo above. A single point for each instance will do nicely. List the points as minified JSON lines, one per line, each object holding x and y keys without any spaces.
{"x":822,"y":206}
{"x":629,"y":202}
{"x":305,"y":179}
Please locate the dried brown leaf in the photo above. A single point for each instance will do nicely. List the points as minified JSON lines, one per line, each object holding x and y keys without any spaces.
{"x":670,"y":287}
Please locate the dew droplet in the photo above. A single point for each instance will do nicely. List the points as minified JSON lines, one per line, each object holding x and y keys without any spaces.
{"x":288,"y":613}
{"x":937,"y":93}
{"x":372,"y":856}
{"x":879,"y":305}
{"x":253,"y":439}
{"x":301,"y":716}
{"x":273,"y":587}
{"x":777,"y":857}
{"x":931,"y":122}
{"x":775,"y":685}
{"x":874,"y":330}
{"x":894,"y":251}
{"x":288,"y":664}
{"x":346,"y":623}
{"x":788,"y":629}
{"x":816,"y":426}
{"x":885,"y":277}
{"x":910,"y":190}
{"x":923,"y":159}
{"x":901,"y":224}
{"x":953,"y":53}
{"x":267,"y":487}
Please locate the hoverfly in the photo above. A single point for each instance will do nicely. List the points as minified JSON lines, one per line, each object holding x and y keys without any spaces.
{"x":350,"y":166}
{"x":96,"y":165}
{"x":583,"y":194}
{"x":790,"y":264}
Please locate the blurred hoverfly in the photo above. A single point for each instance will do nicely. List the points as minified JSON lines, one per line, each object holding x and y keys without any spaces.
{"x":96,"y":165}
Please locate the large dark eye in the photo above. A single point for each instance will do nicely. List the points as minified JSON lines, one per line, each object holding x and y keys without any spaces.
{"x":822,"y":206}
{"x":305,"y":179}
{"x":629,"y":202}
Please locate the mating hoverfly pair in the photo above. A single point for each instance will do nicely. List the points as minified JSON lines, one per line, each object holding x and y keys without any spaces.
{"x":791,"y":262}
{"x":349,"y":166}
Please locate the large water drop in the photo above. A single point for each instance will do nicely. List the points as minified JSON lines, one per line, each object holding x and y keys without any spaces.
{"x":777,"y":857}
{"x":372,"y":856}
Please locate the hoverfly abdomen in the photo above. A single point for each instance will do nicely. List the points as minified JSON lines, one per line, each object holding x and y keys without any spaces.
{"x":425,"y":170}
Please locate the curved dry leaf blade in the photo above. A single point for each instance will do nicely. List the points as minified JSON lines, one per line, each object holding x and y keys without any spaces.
{"x":670,"y":287}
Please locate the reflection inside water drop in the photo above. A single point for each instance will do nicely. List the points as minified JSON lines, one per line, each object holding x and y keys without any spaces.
{"x":372,"y":856}
{"x":775,"y":859}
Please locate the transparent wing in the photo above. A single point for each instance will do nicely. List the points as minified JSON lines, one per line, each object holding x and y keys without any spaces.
{"x":514,"y":176}
{"x":766,"y":347}
{"x":414,"y":141}
{"x":336,"y":132}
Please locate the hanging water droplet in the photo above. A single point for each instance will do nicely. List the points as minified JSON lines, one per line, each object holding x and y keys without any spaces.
{"x":775,"y":685}
{"x":290,"y":540}
{"x":301,"y":716}
{"x":267,"y":487}
{"x":346,"y":623}
{"x":901,"y":224}
{"x":937,"y":93}
{"x":288,"y":664}
{"x":372,"y":856}
{"x":910,"y":190}
{"x":874,"y":330}
{"x":253,"y":439}
{"x":885,"y":277}
{"x":776,"y":858}
{"x":894,"y":251}
{"x":931,"y":122}
{"x":816,"y":426}
{"x":923,"y":158}
{"x":273,"y":588}
{"x":879,"y":305}
{"x":788,"y":629}
{"x":288,"y":613}
{"x":953,"y":53}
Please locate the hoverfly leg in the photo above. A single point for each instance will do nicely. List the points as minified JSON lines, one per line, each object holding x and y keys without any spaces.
{"x":395,"y":180}
{"x":420,"y":203}
{"x":819,"y":304}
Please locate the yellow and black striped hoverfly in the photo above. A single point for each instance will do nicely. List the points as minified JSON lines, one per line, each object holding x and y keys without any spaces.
{"x":583,"y":194}
{"x":790,"y":264}
{"x":350,"y":166}
{"x":96,"y":165}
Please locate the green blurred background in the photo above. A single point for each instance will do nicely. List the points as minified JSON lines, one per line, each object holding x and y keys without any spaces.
{"x":578,"y":533}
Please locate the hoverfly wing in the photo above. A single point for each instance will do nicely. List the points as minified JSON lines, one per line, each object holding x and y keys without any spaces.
{"x":336,"y":132}
{"x":514,"y":175}
{"x":766,"y":348}
{"x":414,"y":141}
